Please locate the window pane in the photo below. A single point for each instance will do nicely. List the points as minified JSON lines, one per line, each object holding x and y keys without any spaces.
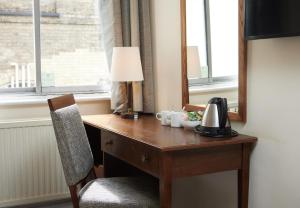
{"x":72,"y":51}
{"x":16,"y":44}
{"x":224,"y":37}
{"x":196,"y":39}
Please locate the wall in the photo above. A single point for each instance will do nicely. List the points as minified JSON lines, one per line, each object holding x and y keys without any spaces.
{"x":273,"y":97}
{"x":166,"y":53}
{"x":273,"y":116}
{"x":202,"y":97}
{"x":38,"y":111}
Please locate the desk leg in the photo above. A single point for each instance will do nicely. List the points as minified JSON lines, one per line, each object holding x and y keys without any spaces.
{"x":165,"y":182}
{"x":243,"y":178}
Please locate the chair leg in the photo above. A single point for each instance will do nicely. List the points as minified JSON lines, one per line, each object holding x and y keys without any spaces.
{"x":99,"y":172}
{"x":94,"y":174}
{"x":74,"y":196}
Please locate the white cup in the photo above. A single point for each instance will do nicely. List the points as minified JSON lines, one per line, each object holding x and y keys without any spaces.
{"x":177,"y":119}
{"x":164,"y":117}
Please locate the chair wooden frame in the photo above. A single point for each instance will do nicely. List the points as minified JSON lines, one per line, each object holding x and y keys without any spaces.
{"x":62,"y":102}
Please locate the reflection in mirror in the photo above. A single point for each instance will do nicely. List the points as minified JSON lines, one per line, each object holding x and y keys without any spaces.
{"x":212,"y":38}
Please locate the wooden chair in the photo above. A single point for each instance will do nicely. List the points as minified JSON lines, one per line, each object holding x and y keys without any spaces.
{"x":77,"y":161}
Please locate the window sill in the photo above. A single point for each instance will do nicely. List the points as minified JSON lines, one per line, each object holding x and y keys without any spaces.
{"x":215,"y":87}
{"x":31,"y":99}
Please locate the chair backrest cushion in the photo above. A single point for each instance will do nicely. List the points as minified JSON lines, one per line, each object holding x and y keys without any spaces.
{"x":73,"y":144}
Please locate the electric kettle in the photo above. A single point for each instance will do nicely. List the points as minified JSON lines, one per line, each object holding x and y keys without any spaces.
{"x":215,"y":120}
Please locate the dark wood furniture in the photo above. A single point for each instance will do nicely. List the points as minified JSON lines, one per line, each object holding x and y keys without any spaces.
{"x":242,"y":71}
{"x":168,"y":153}
{"x":58,"y":103}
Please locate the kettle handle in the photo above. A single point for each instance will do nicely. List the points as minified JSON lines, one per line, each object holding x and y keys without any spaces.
{"x":224,"y":113}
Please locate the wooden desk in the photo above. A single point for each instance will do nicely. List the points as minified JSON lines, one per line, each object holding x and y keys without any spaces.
{"x":167,"y":153}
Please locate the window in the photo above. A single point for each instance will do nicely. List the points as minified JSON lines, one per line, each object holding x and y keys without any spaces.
{"x":51,"y":46}
{"x":214,"y":32}
{"x":16,"y":45}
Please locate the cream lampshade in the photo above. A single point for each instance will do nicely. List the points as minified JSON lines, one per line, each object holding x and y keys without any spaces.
{"x":193,"y":62}
{"x":126,"y":65}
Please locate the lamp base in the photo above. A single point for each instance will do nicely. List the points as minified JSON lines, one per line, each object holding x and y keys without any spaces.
{"x":129,"y":115}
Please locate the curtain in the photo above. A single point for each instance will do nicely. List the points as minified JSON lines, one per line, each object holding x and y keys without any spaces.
{"x":127,"y":23}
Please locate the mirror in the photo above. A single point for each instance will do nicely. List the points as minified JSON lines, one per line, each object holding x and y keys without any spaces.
{"x":214,"y":54}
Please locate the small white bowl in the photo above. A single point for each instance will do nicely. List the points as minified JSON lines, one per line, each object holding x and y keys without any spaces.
{"x":190,"y":124}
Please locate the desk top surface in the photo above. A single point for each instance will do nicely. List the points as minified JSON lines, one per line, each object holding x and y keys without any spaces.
{"x":148,"y":130}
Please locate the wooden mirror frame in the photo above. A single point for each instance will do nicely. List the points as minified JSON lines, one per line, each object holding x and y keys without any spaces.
{"x":242,"y":77}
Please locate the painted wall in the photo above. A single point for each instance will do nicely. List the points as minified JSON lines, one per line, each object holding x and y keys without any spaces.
{"x":273,"y":116}
{"x":10,"y":113}
{"x":197,"y":98}
{"x":166,"y":53}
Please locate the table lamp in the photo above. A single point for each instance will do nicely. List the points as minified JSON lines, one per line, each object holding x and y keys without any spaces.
{"x":127,"y":67}
{"x":193,"y":62}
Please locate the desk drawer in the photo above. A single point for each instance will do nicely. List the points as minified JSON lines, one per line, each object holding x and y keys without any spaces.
{"x":135,"y":153}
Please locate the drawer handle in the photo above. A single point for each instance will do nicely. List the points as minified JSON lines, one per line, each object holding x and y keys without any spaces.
{"x":145,"y":158}
{"x":110,"y":142}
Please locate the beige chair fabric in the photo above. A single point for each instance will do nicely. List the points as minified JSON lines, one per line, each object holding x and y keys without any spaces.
{"x":73,"y":145}
{"x":120,"y":193}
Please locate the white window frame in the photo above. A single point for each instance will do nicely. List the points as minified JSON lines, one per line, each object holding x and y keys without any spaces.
{"x":210,"y":80}
{"x":40,"y":89}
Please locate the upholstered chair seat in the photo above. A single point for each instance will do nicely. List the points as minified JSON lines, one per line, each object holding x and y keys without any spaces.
{"x":119,"y":193}
{"x":77,"y":161}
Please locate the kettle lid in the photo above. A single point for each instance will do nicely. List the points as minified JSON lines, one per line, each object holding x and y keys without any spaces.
{"x":215,"y":100}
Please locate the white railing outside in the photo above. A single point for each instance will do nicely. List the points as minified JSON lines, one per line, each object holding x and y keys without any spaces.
{"x":22,"y":76}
